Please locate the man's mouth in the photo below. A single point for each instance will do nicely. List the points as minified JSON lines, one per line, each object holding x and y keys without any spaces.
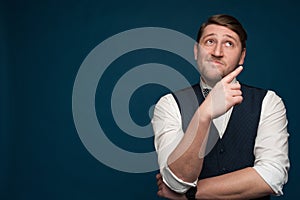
{"x":218,"y":62}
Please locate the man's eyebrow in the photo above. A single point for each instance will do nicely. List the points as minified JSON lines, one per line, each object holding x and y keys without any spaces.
{"x":211,"y":34}
{"x":227,"y":35}
{"x":230,"y":36}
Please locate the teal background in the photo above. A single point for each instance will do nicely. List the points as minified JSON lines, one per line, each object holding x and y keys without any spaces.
{"x":43,"y":44}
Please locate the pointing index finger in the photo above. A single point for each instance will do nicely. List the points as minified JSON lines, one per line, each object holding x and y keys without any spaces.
{"x":229,"y":78}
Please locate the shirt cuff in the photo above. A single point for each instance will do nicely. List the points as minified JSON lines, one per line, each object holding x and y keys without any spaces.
{"x":271,"y":179}
{"x":175,"y":183}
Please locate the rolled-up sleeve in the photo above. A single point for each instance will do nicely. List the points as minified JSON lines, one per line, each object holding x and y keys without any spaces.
{"x":271,"y":145}
{"x":167,"y":127}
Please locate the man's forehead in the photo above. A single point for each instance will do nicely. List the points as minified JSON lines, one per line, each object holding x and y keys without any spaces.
{"x":216,"y":30}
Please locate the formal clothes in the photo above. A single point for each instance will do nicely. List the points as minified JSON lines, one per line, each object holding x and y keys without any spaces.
{"x":251,"y":134}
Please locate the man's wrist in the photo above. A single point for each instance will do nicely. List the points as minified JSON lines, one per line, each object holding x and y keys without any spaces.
{"x":191,"y":193}
{"x":204,"y":112}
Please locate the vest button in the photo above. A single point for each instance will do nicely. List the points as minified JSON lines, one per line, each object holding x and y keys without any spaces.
{"x":221,"y":151}
{"x":224,"y":169}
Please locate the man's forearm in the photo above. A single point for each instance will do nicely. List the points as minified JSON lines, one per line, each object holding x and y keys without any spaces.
{"x":187,"y":159}
{"x":241,"y":184}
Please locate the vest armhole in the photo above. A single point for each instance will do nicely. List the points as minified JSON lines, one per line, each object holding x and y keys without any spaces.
{"x":177,"y":101}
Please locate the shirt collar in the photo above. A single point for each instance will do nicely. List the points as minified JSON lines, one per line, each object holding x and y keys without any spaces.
{"x":203,"y":85}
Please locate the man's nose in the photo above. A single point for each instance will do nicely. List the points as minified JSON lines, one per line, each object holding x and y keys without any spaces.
{"x":218,"y":50}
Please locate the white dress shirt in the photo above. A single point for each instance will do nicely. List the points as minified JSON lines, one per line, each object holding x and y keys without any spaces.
{"x":270,"y":150}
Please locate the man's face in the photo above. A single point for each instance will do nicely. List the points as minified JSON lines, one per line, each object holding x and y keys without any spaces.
{"x":218,"y":52}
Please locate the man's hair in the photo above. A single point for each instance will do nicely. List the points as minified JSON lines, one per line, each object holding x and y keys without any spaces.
{"x":227,"y":21}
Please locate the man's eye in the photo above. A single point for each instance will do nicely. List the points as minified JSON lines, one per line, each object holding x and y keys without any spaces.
{"x":209,"y":42}
{"x":228,"y":44}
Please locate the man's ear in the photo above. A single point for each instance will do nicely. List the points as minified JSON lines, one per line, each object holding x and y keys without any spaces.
{"x":196,"y":50}
{"x":242,"y":58}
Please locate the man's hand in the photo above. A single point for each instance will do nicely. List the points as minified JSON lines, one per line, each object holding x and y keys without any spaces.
{"x":224,"y":95}
{"x":166,"y":192}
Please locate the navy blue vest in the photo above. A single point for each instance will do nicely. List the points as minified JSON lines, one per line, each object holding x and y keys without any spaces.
{"x":235,"y":150}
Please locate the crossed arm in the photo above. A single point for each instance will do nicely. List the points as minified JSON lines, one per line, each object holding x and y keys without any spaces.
{"x":242,"y":184}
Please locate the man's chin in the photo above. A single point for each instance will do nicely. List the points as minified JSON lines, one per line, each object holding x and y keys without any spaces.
{"x":214,"y":77}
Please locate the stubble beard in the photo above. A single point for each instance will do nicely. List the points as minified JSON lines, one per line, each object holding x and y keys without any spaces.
{"x":210,"y":73}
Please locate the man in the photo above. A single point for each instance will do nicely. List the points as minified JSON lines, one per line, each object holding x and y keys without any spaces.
{"x":229,"y":143}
